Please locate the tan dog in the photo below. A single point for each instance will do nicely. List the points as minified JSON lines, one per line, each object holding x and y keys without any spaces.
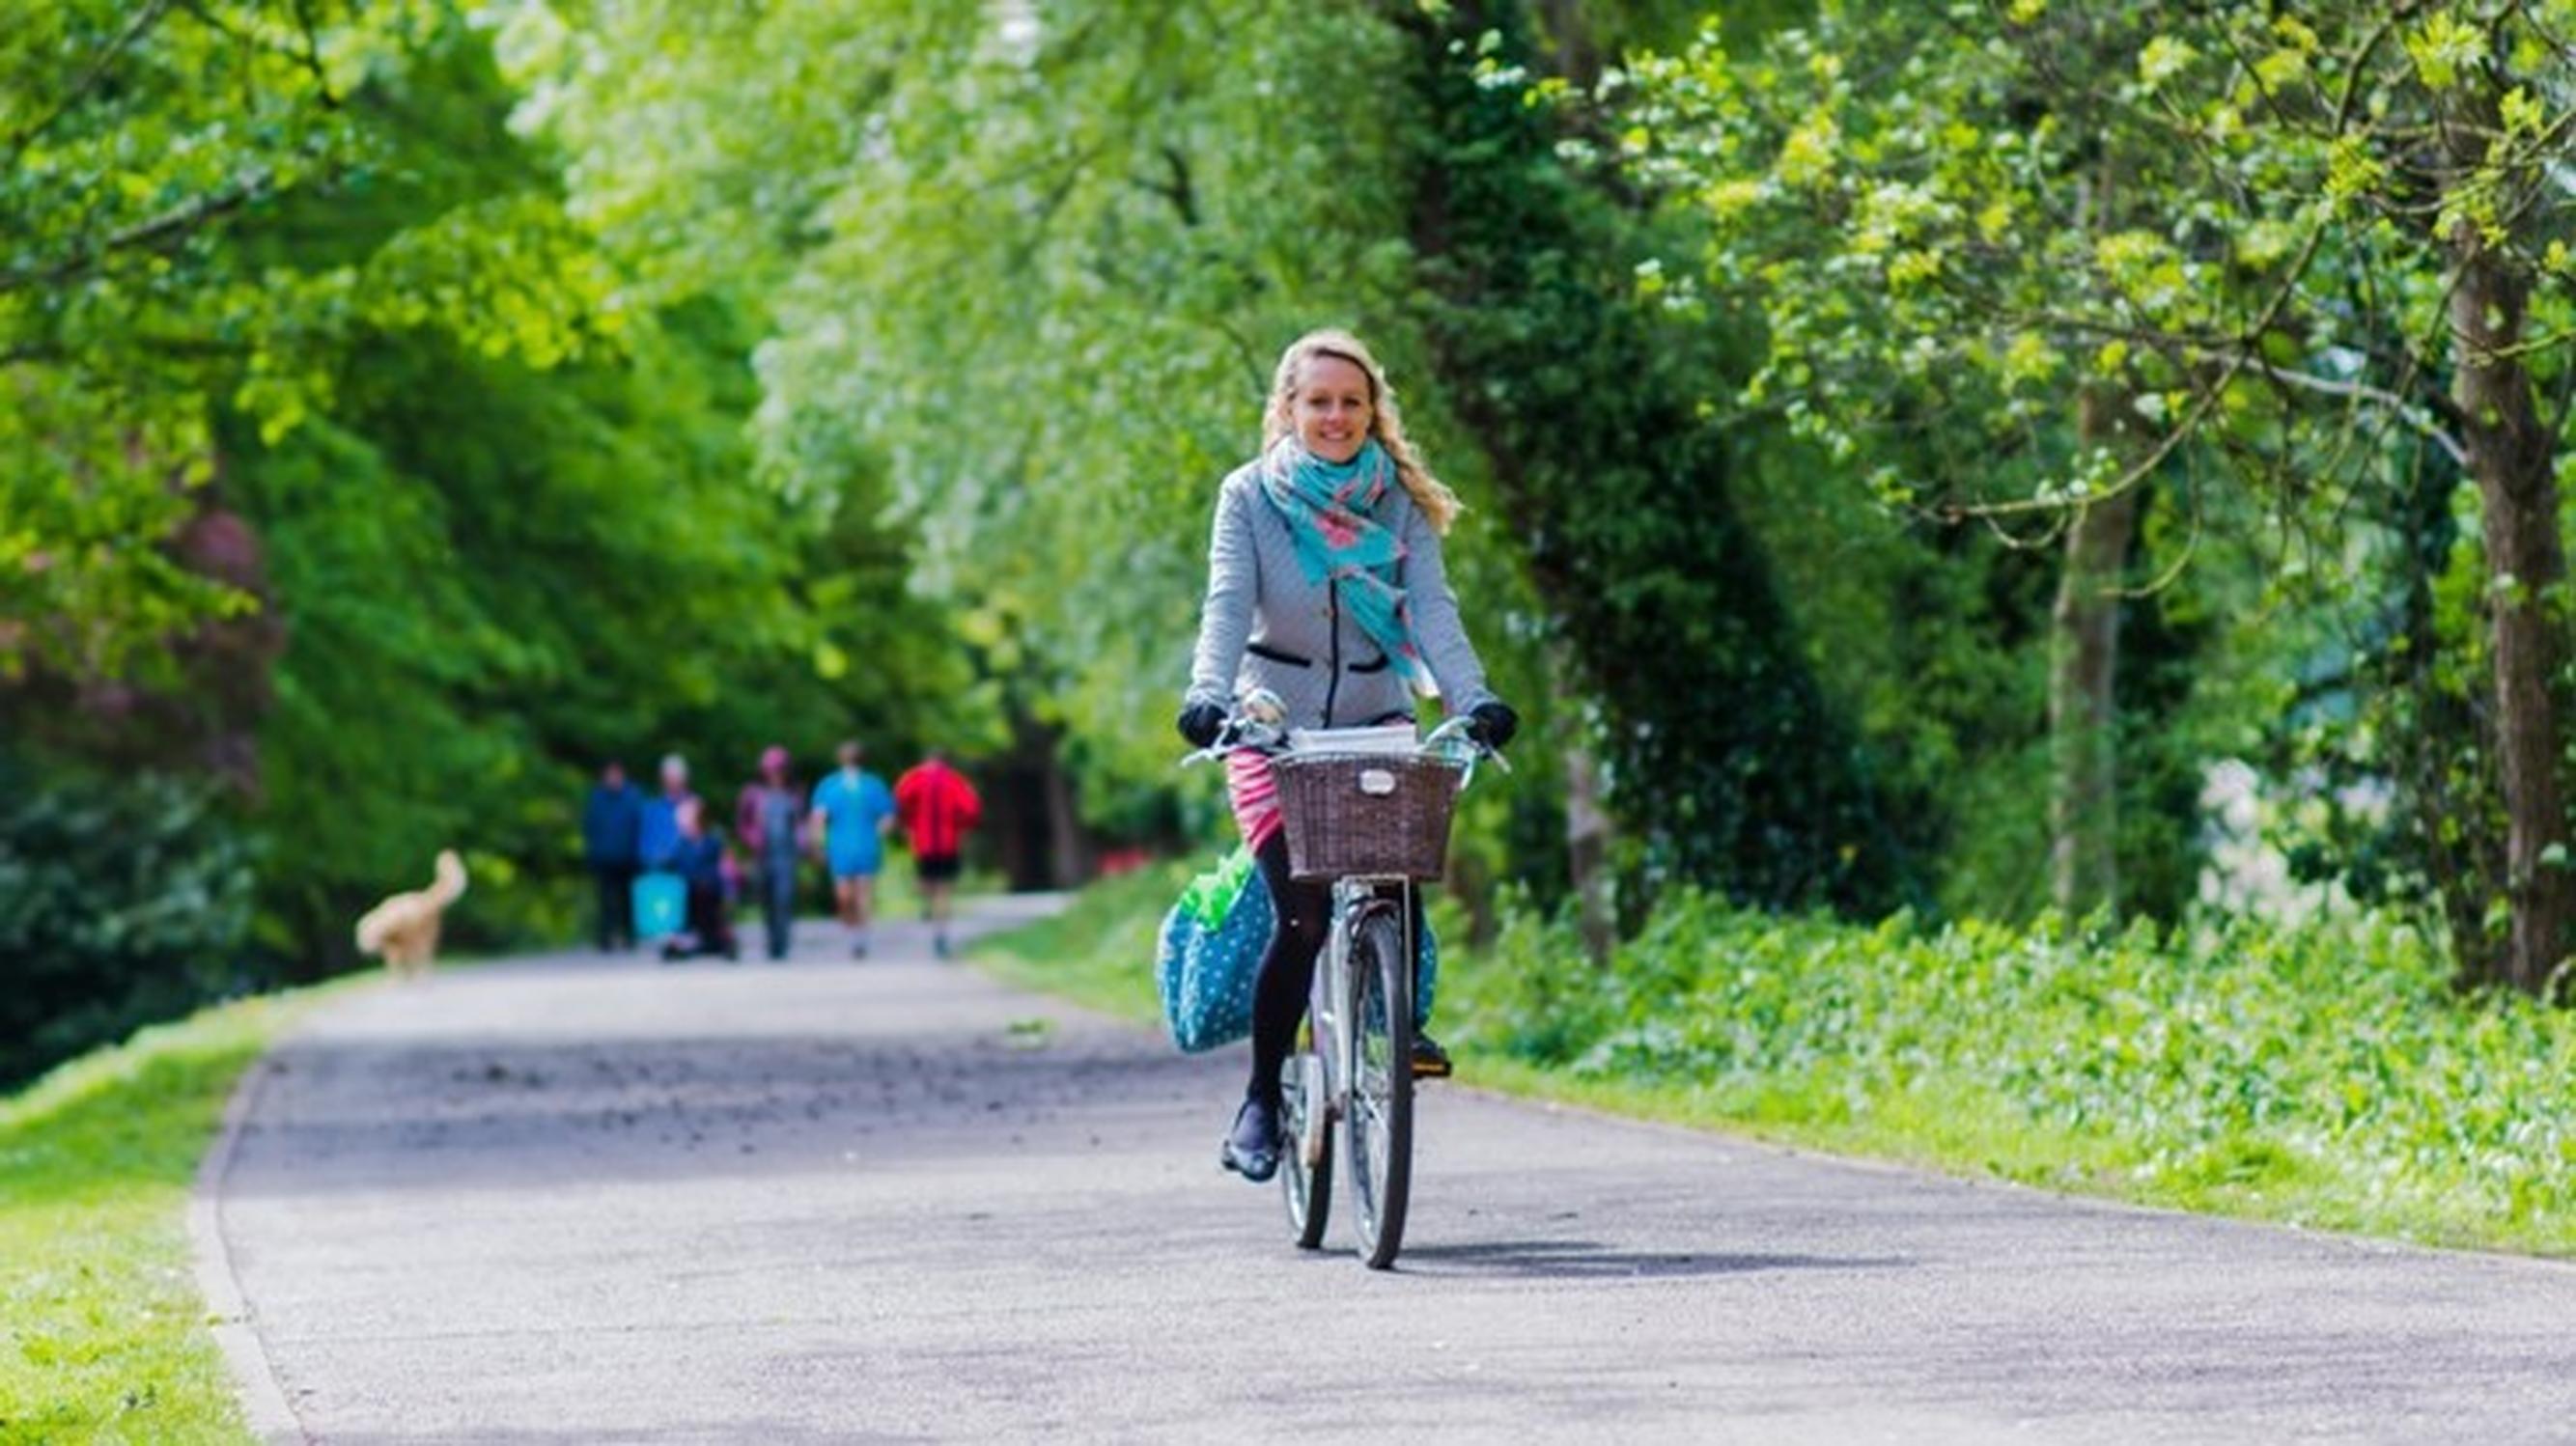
{"x":404,"y":928}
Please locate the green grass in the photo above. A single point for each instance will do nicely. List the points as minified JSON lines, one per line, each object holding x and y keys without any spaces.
{"x":2325,"y":1077}
{"x":1100,"y":951}
{"x":103,"y":1335}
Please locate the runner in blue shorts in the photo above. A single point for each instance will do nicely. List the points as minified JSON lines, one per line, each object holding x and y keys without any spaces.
{"x":852,"y":811}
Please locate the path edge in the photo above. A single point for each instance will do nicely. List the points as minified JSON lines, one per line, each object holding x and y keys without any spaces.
{"x":262,"y":1397}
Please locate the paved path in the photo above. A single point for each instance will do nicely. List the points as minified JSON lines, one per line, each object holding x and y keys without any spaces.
{"x":589,"y":1199}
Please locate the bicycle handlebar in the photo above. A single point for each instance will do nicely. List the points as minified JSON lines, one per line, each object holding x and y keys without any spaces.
{"x":1454,"y":735}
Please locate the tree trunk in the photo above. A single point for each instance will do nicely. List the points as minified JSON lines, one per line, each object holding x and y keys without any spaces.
{"x":2509,"y":456}
{"x":2084,"y":655}
{"x":1587,"y":849}
{"x":1070,"y":859}
{"x":1578,"y":58}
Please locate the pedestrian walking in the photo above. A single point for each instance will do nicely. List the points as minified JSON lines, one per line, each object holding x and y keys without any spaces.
{"x":852,"y":811}
{"x":937,"y":806}
{"x":769,"y":819}
{"x":612,"y":823}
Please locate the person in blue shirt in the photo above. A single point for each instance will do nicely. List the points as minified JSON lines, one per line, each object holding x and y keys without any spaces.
{"x":657,"y":835}
{"x":852,"y":811}
{"x":612,"y":820}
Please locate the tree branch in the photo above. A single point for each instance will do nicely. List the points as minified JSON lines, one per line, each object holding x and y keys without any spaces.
{"x":169,"y":224}
{"x":135,"y":29}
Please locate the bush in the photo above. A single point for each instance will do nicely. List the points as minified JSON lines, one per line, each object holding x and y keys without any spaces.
{"x":2327,"y":1074}
{"x":121,"y":903}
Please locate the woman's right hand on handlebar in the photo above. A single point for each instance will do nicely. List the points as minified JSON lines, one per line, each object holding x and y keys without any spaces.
{"x":1200,"y":723}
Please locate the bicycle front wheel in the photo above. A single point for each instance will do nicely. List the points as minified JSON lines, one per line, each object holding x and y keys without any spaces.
{"x":1305,"y":1146}
{"x":1381,"y":1117}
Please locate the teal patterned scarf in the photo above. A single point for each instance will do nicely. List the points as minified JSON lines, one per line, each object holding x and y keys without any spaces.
{"x":1330,"y":508}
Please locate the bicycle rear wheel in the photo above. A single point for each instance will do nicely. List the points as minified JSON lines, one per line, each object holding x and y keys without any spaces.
{"x":1305,"y":1124}
{"x":1381,"y":1112}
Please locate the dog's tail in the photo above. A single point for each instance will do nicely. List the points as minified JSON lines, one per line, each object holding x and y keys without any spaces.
{"x":451,"y":879}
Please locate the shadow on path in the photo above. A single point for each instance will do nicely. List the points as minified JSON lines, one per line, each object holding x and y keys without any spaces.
{"x":372,"y":1114}
{"x":1591,"y":1260}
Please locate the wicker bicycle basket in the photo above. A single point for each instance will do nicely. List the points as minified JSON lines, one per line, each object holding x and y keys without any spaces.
{"x":1366,"y":814}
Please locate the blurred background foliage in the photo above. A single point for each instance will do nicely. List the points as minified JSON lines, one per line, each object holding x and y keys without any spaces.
{"x":1981,"y":464}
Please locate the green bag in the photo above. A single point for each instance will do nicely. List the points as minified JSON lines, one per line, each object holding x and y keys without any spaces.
{"x":1211,"y":895}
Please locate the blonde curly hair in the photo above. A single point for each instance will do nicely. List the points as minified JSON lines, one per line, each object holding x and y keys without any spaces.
{"x":1386,"y":423}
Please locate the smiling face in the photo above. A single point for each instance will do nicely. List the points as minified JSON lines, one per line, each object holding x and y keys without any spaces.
{"x":1331,"y":408}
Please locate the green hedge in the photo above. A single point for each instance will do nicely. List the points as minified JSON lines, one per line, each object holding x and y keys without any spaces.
{"x":2326,"y":1075}
{"x":122,"y":901}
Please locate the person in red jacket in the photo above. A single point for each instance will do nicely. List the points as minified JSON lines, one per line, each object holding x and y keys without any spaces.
{"x":937,"y":805}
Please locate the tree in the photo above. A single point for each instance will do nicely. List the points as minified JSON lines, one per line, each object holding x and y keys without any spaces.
{"x":138,"y":139}
{"x":2299,"y":187}
{"x":1039,"y":262}
{"x":1735,"y":769}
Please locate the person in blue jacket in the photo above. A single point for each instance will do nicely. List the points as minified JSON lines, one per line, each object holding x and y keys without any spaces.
{"x":658,"y":834}
{"x":852,"y":811}
{"x":612,"y":821}
{"x":699,"y":857}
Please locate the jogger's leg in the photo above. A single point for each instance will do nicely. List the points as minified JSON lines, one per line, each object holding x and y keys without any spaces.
{"x":935,"y":903}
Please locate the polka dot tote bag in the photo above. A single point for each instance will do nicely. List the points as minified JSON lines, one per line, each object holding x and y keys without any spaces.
{"x":1212,"y":943}
{"x":1209,"y":956}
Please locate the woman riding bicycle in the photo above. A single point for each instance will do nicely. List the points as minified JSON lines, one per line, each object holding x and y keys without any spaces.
{"x":1325,"y":587}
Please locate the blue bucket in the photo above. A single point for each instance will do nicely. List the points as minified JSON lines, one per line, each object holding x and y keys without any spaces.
{"x":661,"y":905}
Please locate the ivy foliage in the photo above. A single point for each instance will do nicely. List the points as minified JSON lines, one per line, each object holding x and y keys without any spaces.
{"x":1722,"y":749}
{"x":2324,"y":1075}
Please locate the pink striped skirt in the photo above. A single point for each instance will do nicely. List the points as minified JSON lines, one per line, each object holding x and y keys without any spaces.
{"x":1254,"y":791}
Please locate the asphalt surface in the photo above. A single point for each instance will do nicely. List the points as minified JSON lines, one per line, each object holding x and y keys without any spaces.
{"x":580,"y":1198}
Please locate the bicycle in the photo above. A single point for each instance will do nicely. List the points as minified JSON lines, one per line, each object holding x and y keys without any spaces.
{"x":1373,"y":818}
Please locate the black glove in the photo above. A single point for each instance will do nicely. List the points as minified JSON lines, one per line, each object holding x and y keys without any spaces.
{"x":1493,"y":724}
{"x":1200,"y":723}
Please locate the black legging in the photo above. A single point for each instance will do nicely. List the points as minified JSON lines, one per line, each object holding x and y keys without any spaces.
{"x":1288,"y":968}
{"x":1305,"y":911}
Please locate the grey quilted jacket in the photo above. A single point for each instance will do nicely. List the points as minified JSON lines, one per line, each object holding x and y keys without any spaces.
{"x":1265,"y":626}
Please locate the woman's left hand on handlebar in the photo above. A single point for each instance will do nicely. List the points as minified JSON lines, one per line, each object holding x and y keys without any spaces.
{"x":1493,"y":723}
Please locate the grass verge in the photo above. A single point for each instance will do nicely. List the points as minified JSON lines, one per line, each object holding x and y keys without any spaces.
{"x":103,"y":1335}
{"x":1099,"y":952}
{"x":2326,"y":1077}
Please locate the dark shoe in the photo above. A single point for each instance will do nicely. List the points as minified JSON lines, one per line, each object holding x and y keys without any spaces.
{"x":1251,"y":1148}
{"x":1430,"y":1061}
{"x":939,"y":945}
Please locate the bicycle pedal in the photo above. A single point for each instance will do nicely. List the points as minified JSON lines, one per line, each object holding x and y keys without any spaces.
{"x":1432,"y":1069}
